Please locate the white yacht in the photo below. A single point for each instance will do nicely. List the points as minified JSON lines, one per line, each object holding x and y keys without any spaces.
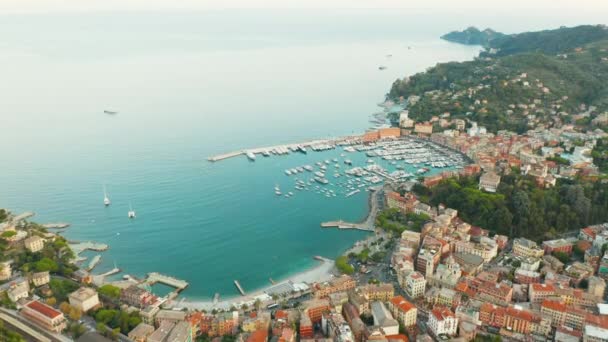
{"x":106,"y":199}
{"x":251,"y":156}
{"x":131,"y":213}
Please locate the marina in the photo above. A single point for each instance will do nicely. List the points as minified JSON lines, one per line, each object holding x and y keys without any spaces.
{"x":96,"y":259}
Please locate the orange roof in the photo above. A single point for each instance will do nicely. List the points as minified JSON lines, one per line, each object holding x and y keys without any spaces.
{"x":281,"y":314}
{"x":258,"y":336}
{"x":402,"y":304}
{"x":44,"y":309}
{"x":399,"y":337}
{"x":543,"y":287}
{"x":442,"y":313}
{"x":521,"y":314}
{"x":554,"y":305}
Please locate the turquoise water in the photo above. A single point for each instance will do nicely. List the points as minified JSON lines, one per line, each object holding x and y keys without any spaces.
{"x":188,"y":86}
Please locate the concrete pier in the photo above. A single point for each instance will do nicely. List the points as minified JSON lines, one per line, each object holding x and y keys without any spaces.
{"x":58,"y":225}
{"x":258,"y":150}
{"x":369,"y":223}
{"x":238,"y":286}
{"x":155,"y":277}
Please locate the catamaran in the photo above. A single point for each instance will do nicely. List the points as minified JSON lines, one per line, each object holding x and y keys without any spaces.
{"x":131,"y":213}
{"x":106,"y":199}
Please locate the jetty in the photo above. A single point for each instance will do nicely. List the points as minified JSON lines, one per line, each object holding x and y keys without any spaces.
{"x":23,"y":216}
{"x":155,"y":277}
{"x":238,"y":286}
{"x":58,"y":225}
{"x":99,"y":279}
{"x":320,"y":144}
{"x":369,"y":223}
{"x":94,"y":262}
{"x":79,"y":247}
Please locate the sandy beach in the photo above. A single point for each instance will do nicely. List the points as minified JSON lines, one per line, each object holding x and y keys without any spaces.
{"x":323,"y":271}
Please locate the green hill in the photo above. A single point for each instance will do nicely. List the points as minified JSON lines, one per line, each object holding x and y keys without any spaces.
{"x":472,"y":36}
{"x":525,"y":84}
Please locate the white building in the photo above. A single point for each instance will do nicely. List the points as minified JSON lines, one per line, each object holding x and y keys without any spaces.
{"x":443,"y":322}
{"x":85,"y":298}
{"x":415,"y":284}
{"x":476,"y":130}
{"x":384,"y":319}
{"x":41,"y":278}
{"x":34,"y":243}
{"x":405,"y":121}
{"x":18,"y":290}
{"x":5,"y":271}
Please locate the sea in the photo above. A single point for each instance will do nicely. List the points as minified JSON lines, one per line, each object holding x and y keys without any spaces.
{"x":186,"y":86}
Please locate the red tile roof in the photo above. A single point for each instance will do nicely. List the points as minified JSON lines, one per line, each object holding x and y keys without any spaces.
{"x":402,"y":304}
{"x":554,"y":305}
{"x":543,"y":287}
{"x":399,"y":337}
{"x":258,"y":336}
{"x":44,"y":309}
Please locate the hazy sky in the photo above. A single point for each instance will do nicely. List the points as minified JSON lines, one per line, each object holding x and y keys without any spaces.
{"x":11,"y":6}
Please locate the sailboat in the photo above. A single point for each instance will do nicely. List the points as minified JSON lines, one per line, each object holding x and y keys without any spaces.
{"x":131,"y":213}
{"x":106,"y":199}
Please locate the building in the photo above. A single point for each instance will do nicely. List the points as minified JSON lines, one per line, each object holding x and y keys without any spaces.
{"x":561,"y":314}
{"x":161,"y":334}
{"x":5,"y":271}
{"x":597,"y":286}
{"x":136,"y":296}
{"x":259,"y":336}
{"x":489,"y":182}
{"x":85,"y":299}
{"x":496,"y":292}
{"x":391,"y":132}
{"x":141,"y":332}
{"x":559,"y":245}
{"x":519,"y":321}
{"x":315,"y":308}
{"x":384,"y":319}
{"x":18,"y":290}
{"x":442,"y":321}
{"x":526,"y":277}
{"x":415,"y":284}
{"x":339,"y":284}
{"x":404,"y":203}
{"x":427,"y":258}
{"x":34,"y":244}
{"x":526,"y":248}
{"x":382,"y":292}
{"x":486,"y":251}
{"x":404,"y":311}
{"x":41,"y":278}
{"x":405,"y":121}
{"x":172,"y":316}
{"x":182,"y":332}
{"x":424,"y":128}
{"x":44,"y":316}
{"x":148,"y":314}
{"x":306,"y":327}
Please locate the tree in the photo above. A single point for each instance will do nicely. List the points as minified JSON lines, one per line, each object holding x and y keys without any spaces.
{"x":563,"y":257}
{"x":51,"y":301}
{"x":110,"y":291}
{"x":75,"y":313}
{"x":8,"y":234}
{"x":46,"y":264}
{"x":583,"y":284}
{"x":343,"y":265}
{"x":65,"y":307}
{"x":77,"y":330}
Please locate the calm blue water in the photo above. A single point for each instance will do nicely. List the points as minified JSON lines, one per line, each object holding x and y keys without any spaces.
{"x":187,"y":86}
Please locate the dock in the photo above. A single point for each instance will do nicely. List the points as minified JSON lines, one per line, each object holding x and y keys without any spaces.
{"x":155,"y":277}
{"x":99,"y":279}
{"x":369,"y":223}
{"x":58,"y":225}
{"x":238,"y":286}
{"x":313,"y":144}
{"x":79,"y":247}
{"x":23,"y":216}
{"x":96,"y":259}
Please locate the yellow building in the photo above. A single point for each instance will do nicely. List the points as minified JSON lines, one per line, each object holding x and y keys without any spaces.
{"x":527,"y":248}
{"x":34,"y":244}
{"x":404,"y":311}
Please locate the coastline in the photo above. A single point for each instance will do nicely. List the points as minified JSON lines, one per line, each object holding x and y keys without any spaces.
{"x":321,"y":272}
